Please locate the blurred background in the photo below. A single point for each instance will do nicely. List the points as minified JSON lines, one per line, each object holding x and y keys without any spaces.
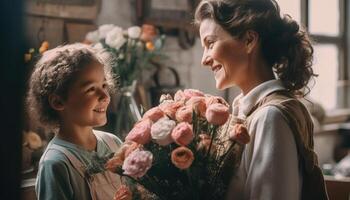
{"x":169,"y":60}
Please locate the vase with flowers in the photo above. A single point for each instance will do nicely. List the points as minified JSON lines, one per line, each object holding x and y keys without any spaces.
{"x":131,"y":50}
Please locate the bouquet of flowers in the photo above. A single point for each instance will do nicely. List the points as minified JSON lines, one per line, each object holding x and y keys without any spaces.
{"x":182,"y":149}
{"x":132,"y":49}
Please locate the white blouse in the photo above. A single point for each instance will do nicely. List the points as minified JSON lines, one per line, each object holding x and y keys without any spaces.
{"x":271,"y":171}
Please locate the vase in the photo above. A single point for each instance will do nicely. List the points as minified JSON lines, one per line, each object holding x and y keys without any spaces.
{"x":127,"y":111}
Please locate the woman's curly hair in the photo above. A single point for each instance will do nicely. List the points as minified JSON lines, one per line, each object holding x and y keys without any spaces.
{"x":284,"y":44}
{"x":54,"y":73}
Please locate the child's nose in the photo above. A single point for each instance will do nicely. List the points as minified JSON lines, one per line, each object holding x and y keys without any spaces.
{"x":206,"y":60}
{"x":104,"y":95}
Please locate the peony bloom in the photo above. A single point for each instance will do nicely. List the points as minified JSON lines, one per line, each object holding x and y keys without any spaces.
{"x":123,"y":193}
{"x":193,"y":93}
{"x":149,"y":32}
{"x":170,"y":108}
{"x":179,"y":96}
{"x":104,"y":29}
{"x":184,"y":114}
{"x":115,"y":38}
{"x":161,"y":131}
{"x":217,"y":114}
{"x":92,"y":36}
{"x":124,"y":151}
{"x":198,"y":104}
{"x":182,"y":134}
{"x":141,"y":133}
{"x":215,"y":99}
{"x":182,"y":157}
{"x":134,"y":32}
{"x":137,"y":163}
{"x":154,"y":114}
{"x":240,"y":134}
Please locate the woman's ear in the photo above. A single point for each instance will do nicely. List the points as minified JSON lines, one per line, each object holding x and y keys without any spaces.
{"x":56,"y":102}
{"x":251,"y":39}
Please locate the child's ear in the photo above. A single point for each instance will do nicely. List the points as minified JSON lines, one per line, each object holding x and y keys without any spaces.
{"x":56,"y":102}
{"x":251,"y":40}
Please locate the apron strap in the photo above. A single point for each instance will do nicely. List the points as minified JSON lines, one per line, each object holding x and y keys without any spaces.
{"x":73,"y":160}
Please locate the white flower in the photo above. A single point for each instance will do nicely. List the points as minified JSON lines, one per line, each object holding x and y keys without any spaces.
{"x":115,"y":38}
{"x":161,"y":131}
{"x":98,"y":46}
{"x":104,"y":29}
{"x":92,"y":36}
{"x":134,"y":32}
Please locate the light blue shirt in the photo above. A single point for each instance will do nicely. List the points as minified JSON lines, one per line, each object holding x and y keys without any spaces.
{"x":58,"y":179}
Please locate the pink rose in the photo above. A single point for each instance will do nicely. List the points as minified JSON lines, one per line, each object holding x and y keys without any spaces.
{"x":240,"y":134}
{"x":123,"y":193}
{"x":215,"y":99}
{"x":182,"y":157}
{"x":141,"y":133}
{"x":154,"y":114}
{"x":198,"y":104}
{"x":184,"y":114}
{"x":119,"y":157}
{"x":170,"y":108}
{"x":193,"y":93}
{"x":148,"y":33}
{"x":182,"y":134}
{"x":137,"y":163}
{"x":179,"y":96}
{"x":217,"y":114}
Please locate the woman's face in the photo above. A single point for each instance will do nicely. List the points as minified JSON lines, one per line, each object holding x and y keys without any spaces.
{"x":226,"y":56}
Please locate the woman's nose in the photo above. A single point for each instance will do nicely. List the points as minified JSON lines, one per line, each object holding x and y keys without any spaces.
{"x":206,"y":60}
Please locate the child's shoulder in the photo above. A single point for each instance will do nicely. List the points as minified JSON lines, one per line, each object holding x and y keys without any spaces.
{"x":53,"y":158}
{"x":106,"y":136}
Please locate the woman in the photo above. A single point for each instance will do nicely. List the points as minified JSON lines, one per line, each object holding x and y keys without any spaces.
{"x":248,"y":44}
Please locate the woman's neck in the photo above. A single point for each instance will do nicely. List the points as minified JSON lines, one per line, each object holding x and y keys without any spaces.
{"x":81,"y":136}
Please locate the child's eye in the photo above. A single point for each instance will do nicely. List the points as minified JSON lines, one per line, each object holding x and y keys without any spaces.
{"x":91,"y":89}
{"x":105,"y":85}
{"x":210,"y":44}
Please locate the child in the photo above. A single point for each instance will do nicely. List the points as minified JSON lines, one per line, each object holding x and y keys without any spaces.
{"x":69,"y":93}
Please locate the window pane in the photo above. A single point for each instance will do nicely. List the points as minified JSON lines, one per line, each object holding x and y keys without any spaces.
{"x":324,"y":17}
{"x":291,"y":8}
{"x":326,"y":66}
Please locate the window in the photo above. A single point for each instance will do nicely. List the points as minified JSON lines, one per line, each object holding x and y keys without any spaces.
{"x":326,"y":21}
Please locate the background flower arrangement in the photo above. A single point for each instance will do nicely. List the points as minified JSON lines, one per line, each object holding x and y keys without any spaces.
{"x":179,"y":149}
{"x":133,"y":49}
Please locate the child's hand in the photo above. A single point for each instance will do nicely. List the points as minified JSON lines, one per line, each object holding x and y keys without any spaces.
{"x":123,"y":193}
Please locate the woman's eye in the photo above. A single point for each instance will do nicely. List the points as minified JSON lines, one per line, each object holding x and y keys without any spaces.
{"x":210,"y":44}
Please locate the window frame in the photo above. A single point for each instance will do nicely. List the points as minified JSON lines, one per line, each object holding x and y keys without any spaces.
{"x":341,"y":42}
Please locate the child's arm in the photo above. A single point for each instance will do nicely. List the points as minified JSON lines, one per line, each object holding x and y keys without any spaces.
{"x":53,"y":181}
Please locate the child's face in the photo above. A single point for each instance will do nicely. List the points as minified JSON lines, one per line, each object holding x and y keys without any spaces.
{"x":88,"y":98}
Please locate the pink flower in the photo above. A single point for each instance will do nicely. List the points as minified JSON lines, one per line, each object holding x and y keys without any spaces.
{"x":215,"y":99}
{"x":182,"y":157}
{"x":137,"y":163}
{"x":170,"y":108}
{"x":182,"y":134}
{"x":149,"y":32}
{"x":240,"y":134}
{"x":184,"y":114}
{"x":119,"y":157}
{"x":217,"y":114}
{"x":141,"y":133}
{"x":161,"y":131}
{"x":193,"y":93}
{"x":123,"y":193}
{"x":154,"y":114}
{"x":179,"y":96}
{"x":204,"y":143}
{"x":198,"y":104}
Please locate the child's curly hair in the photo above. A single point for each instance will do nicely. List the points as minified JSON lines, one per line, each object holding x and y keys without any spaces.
{"x":54,"y":73}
